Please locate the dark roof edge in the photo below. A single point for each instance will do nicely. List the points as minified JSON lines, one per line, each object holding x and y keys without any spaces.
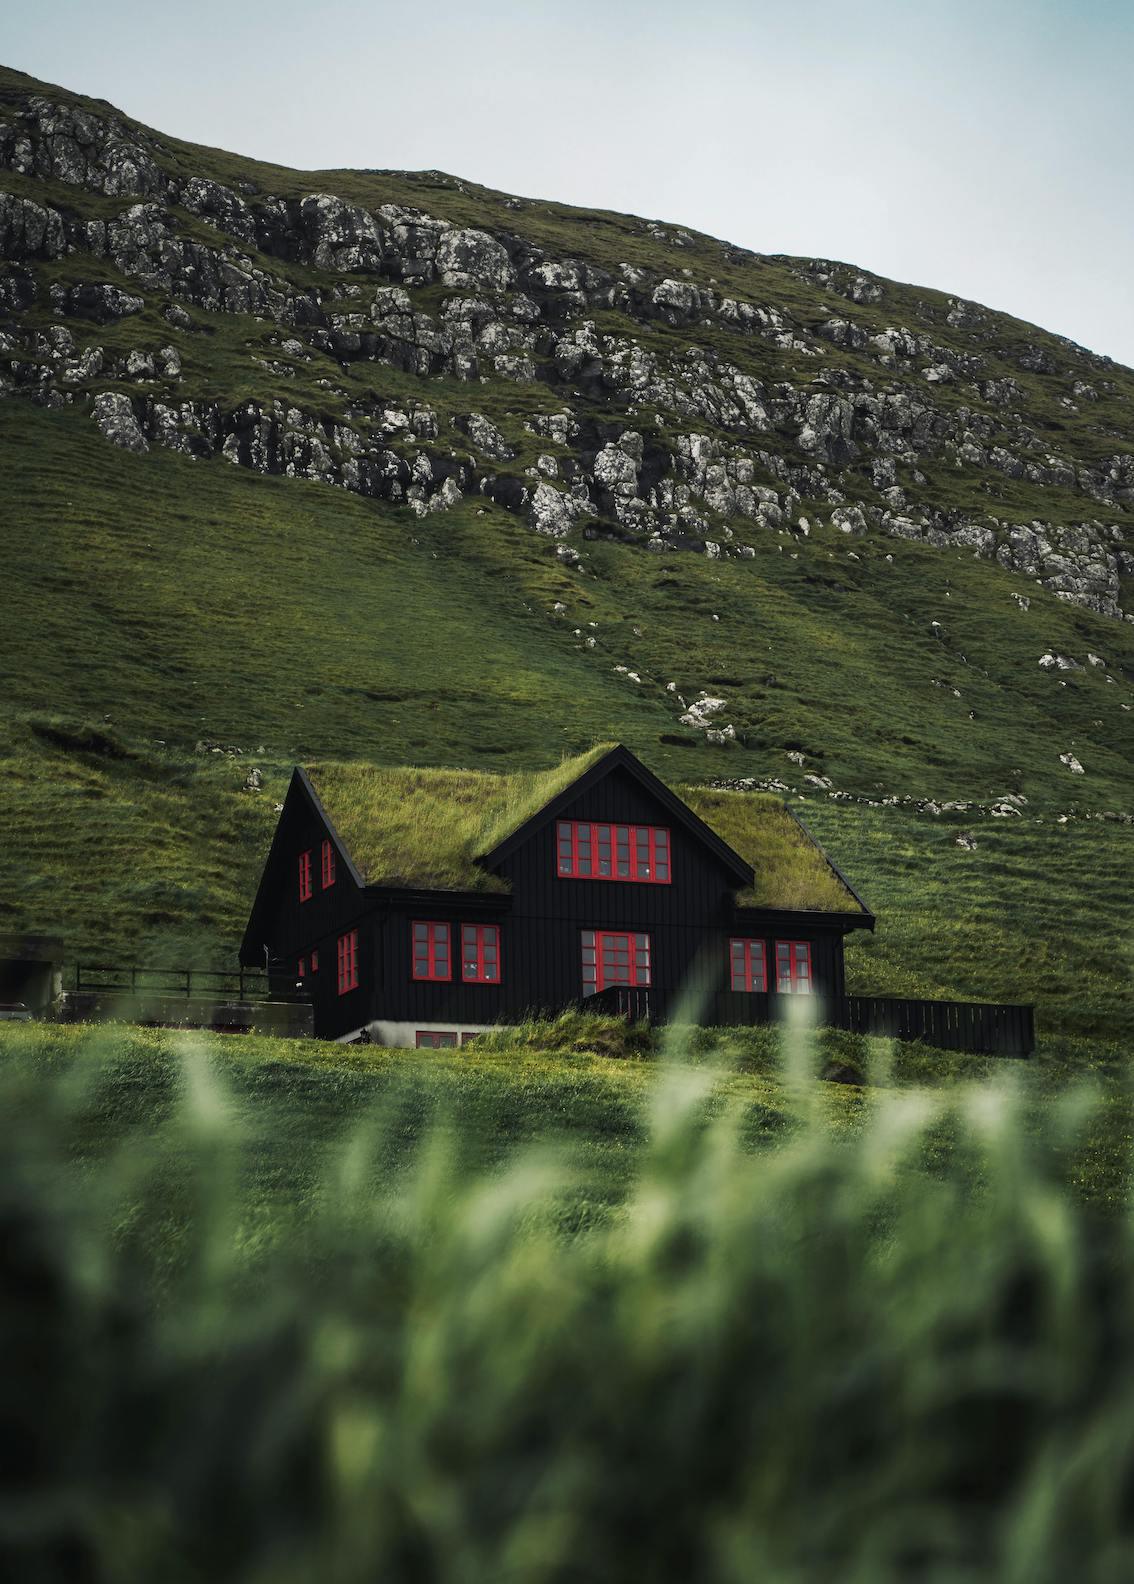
{"x":805,"y":918}
{"x":305,"y":782}
{"x":620,"y":756}
{"x":827,"y":857}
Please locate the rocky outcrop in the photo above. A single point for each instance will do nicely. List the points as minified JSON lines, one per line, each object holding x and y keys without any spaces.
{"x":666,"y":410}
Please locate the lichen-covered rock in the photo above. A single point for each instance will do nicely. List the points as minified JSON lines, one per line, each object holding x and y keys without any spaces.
{"x":70,"y":145}
{"x":30,"y":230}
{"x":473,"y":259}
{"x":113,"y":412}
{"x":96,"y":301}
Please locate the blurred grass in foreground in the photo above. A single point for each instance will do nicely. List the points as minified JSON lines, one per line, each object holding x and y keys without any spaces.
{"x":784,"y":1353}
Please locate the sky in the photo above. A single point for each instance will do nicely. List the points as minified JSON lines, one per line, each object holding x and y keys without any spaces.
{"x":984,"y":147}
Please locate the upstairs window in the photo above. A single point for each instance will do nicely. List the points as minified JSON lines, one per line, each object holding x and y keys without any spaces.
{"x":614,"y":957}
{"x":480,"y":953}
{"x":431,"y":958}
{"x":314,"y":962}
{"x":586,"y":851}
{"x":348,"y":962}
{"x":328,"y":858}
{"x":305,"y":877}
{"x":302,"y":970}
{"x":748,"y":964}
{"x":793,"y":967}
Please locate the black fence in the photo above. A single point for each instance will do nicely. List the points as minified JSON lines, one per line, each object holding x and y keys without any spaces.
{"x":241,"y":984}
{"x":979,"y":1027}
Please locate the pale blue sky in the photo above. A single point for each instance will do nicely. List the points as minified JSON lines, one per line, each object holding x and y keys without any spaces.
{"x":983,"y":148}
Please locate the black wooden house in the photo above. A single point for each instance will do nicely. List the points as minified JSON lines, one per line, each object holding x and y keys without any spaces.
{"x":422,"y":907}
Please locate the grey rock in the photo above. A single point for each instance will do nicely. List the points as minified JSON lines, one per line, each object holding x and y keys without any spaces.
{"x":113,"y":412}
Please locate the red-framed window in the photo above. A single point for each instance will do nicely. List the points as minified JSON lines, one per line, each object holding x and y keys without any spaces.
{"x":301,"y":972}
{"x":348,"y":962}
{"x":327,"y":857}
{"x":436,"y":1039}
{"x":586,"y":851}
{"x":314,"y":962}
{"x":480,"y":953}
{"x":467,"y":1039}
{"x":305,"y":876}
{"x":793,"y":967}
{"x":614,"y":957}
{"x":432,"y":957}
{"x":748,"y":964}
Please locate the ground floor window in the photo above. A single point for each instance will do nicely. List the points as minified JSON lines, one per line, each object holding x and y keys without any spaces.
{"x":302,"y":972}
{"x":348,"y":962}
{"x":748,"y":964}
{"x":614,"y":957}
{"x":480,"y":953}
{"x":431,"y":958}
{"x":793,"y":967}
{"x":436,"y":1039}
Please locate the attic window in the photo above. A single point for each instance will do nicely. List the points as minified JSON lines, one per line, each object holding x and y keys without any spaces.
{"x":586,"y":851}
{"x":748,"y":964}
{"x":348,"y":962}
{"x":480,"y":953}
{"x":305,"y":876}
{"x":793,"y":967}
{"x":328,"y":858}
{"x":431,"y":958}
{"x":612,"y":957}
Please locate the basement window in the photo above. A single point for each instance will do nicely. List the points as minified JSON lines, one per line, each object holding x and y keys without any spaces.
{"x":614,"y":957}
{"x":348,"y":962}
{"x":480,"y":953}
{"x":748,"y":965}
{"x":793,"y":967}
{"x":328,"y":860}
{"x":431,"y":956}
{"x":586,"y":851}
{"x":436,"y":1039}
{"x":305,"y":876}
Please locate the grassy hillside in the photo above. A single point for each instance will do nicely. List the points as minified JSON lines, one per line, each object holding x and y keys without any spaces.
{"x":155,"y":604}
{"x":172,"y":622}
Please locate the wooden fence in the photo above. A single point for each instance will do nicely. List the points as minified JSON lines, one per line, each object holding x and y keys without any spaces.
{"x":979,"y":1027}
{"x":241,"y":984}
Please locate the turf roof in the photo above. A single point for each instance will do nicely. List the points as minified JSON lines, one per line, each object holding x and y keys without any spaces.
{"x":427,"y":828}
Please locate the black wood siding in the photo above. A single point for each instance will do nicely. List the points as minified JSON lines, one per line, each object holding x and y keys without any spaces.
{"x":689,"y":922}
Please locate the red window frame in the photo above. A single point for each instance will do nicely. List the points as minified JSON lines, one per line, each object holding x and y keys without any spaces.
{"x":480,"y":953}
{"x":348,"y":962}
{"x":302,"y":972}
{"x":586,"y":850}
{"x":305,"y":876}
{"x":436,"y":1039}
{"x":793,"y":968}
{"x":615,"y":957}
{"x":314,"y":962}
{"x":431,"y":950}
{"x":327,"y":864}
{"x":748,"y":964}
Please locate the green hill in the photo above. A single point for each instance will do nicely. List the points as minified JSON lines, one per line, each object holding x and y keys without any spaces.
{"x":386,"y":467}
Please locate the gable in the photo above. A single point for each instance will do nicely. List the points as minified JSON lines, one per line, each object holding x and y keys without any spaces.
{"x":410,"y":828}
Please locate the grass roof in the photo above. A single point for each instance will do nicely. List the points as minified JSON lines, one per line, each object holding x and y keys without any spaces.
{"x":427,"y":828}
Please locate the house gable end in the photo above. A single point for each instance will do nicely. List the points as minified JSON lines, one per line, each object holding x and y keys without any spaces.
{"x":621,"y":759}
{"x":301,"y":807}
